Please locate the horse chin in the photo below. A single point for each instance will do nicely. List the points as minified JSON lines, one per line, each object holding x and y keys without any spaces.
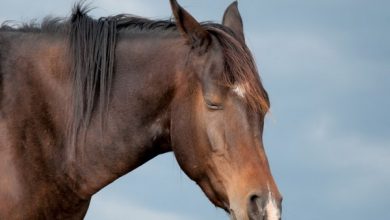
{"x":236,"y":215}
{"x":232,"y":215}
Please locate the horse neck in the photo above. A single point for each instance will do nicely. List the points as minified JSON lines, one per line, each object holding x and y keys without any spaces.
{"x":137,"y":127}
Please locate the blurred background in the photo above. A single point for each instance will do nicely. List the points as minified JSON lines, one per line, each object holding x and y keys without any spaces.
{"x":326,"y":66}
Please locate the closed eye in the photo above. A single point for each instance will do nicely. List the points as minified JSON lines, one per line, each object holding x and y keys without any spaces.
{"x":213,"y":106}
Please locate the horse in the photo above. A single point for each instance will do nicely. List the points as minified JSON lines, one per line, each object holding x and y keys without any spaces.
{"x":84,"y":101}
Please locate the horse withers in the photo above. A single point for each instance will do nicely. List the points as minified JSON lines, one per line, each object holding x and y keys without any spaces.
{"x":85,"y":101}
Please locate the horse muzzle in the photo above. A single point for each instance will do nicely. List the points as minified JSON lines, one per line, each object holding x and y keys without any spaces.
{"x":258,"y":208}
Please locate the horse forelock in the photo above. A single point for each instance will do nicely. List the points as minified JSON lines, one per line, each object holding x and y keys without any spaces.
{"x":240,"y":72}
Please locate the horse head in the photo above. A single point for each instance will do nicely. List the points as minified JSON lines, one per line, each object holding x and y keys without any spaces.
{"x":218,"y":116}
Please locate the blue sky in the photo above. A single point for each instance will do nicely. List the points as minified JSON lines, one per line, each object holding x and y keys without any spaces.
{"x":326,"y":66}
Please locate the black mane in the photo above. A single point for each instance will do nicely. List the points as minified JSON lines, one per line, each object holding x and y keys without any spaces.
{"x":92,"y":47}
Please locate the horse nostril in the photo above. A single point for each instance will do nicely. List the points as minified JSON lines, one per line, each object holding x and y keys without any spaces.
{"x":256,"y":207}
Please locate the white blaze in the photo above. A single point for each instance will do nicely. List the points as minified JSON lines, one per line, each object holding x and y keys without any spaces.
{"x":273,"y":212}
{"x":239,"y":90}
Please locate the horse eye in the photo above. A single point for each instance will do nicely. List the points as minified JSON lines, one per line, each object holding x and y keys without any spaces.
{"x":213,"y":106}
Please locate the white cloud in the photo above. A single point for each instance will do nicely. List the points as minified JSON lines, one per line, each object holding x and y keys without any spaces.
{"x":322,"y":133}
{"x":120,"y":209}
{"x":356,"y":164}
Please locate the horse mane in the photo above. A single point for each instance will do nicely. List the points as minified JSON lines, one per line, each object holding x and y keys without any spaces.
{"x":92,"y":45}
{"x":48,"y":24}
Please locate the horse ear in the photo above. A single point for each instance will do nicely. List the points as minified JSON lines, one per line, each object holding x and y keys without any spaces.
{"x":196,"y":35}
{"x":232,"y":19}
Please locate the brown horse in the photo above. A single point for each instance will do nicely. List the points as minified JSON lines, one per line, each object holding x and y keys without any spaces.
{"x":86,"y":101}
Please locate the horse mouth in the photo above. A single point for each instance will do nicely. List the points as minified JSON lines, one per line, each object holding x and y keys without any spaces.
{"x":264,"y":217}
{"x":265,"y":214}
